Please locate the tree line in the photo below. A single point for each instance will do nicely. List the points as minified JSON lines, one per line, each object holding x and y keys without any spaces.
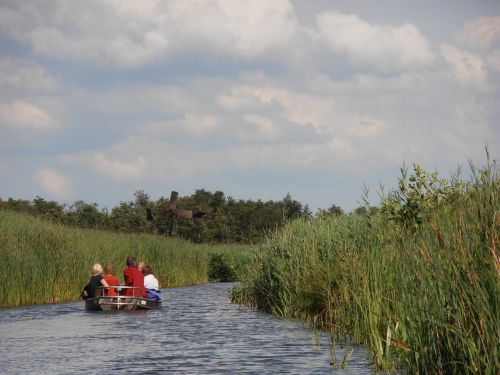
{"x":227,"y":220}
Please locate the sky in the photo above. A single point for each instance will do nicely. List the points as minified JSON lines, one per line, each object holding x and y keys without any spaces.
{"x":318,"y":99}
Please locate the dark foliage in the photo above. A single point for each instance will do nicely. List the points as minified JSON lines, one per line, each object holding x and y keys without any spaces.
{"x":220,"y":268}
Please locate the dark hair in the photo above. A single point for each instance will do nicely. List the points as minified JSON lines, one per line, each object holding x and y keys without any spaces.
{"x":109,"y":269}
{"x":147,"y":270}
{"x":131,"y":262}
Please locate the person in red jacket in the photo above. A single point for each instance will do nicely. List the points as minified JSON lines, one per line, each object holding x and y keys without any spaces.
{"x":111,"y":279}
{"x":134,"y":277}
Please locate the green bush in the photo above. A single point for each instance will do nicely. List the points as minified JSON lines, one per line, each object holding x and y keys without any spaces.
{"x":221,"y":268}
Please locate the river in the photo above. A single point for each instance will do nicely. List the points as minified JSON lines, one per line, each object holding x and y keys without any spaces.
{"x":198,"y":331}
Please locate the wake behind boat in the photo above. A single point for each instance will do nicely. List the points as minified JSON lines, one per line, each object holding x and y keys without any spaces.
{"x":121,"y":301}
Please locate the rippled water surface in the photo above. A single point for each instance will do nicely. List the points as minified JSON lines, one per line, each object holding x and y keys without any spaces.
{"x":197,"y":332}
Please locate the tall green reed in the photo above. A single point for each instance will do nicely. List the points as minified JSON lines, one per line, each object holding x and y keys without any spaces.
{"x":422,"y":298}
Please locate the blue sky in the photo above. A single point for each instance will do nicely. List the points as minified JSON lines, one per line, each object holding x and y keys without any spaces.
{"x":258,"y":99}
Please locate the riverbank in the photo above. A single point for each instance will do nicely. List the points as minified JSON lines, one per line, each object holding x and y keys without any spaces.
{"x":44,"y":262}
{"x":423,"y":297}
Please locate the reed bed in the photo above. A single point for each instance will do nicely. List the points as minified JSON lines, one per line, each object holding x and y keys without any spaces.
{"x":44,"y":262}
{"x":424,"y":301}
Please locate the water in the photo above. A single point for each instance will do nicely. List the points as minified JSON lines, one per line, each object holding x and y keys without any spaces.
{"x":197,"y":332}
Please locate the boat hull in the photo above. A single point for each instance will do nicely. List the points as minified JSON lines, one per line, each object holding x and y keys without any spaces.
{"x":126,"y":303}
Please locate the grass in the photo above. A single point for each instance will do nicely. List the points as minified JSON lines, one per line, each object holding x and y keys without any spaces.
{"x":423,"y":300}
{"x":44,"y":262}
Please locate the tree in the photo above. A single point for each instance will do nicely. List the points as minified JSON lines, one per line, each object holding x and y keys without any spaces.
{"x":142,"y":199}
{"x":86,"y":215}
{"x":366,"y":211}
{"x":307,"y":213}
{"x":48,"y":209}
{"x":128,"y":218}
{"x":292,"y":209}
{"x":18,"y":205}
{"x":333,"y":211}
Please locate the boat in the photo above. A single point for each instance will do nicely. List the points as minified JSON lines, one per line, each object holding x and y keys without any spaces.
{"x":103,"y":302}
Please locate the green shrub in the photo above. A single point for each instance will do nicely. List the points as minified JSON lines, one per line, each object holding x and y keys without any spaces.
{"x":221,"y":268}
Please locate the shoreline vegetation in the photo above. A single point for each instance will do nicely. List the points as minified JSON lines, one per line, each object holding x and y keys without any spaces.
{"x":45,"y":262}
{"x":417,"y":282}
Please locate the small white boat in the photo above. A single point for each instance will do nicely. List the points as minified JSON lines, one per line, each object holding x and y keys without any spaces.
{"x":103,"y":302}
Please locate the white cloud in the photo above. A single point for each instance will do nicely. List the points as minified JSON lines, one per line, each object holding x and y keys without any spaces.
{"x":342,"y":150}
{"x":371,"y":45}
{"x":130,"y":34}
{"x":468,"y":68}
{"x":192,"y":125}
{"x":21,"y":115}
{"x":144,"y":158}
{"x":341,"y":121}
{"x":257,"y":26}
{"x":364,"y":122}
{"x":121,"y":49}
{"x":24,"y":75}
{"x":117,"y":169}
{"x":298,"y":108}
{"x":481,"y":32}
{"x":200,"y":124}
{"x":493,"y":60}
{"x":271,"y":156}
{"x":99,"y":31}
{"x":368,"y":127}
{"x":481,"y":36}
{"x":265,"y":128}
{"x":154,"y":159}
{"x":53,"y":182}
{"x":242,"y":28}
{"x":116,"y":163}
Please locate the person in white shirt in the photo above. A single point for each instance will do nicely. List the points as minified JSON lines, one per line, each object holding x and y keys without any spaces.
{"x":150,"y":281}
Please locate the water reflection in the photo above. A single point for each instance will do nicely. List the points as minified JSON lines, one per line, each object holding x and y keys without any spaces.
{"x":197,"y":332}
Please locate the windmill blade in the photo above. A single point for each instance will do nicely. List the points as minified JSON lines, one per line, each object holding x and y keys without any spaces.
{"x":188,"y":214}
{"x":149,"y":213}
{"x":173,"y":200}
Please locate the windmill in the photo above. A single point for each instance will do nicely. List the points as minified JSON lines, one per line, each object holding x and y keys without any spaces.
{"x":174,"y":213}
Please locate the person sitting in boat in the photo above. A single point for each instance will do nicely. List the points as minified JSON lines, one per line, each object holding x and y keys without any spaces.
{"x":133,"y":277}
{"x":96,"y":280}
{"x":140,"y":266}
{"x":151,"y":283}
{"x":111,"y":279}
